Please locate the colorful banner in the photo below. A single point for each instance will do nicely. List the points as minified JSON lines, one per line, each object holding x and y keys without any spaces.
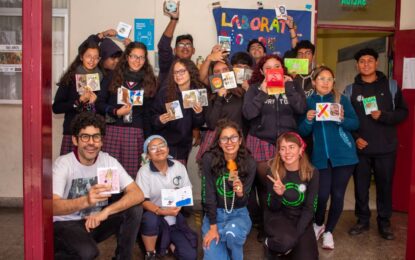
{"x":242,"y":25}
{"x":144,"y":32}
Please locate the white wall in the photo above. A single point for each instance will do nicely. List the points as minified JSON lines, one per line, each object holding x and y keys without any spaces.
{"x":407,"y":15}
{"x":92,"y":16}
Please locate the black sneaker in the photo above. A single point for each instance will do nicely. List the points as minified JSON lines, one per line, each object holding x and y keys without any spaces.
{"x":386,"y":233}
{"x":358,"y":229}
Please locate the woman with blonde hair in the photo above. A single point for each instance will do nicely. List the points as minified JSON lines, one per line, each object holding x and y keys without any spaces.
{"x":292,"y":192}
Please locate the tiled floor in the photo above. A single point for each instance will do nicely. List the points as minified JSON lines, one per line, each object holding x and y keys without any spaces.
{"x":366,"y":246}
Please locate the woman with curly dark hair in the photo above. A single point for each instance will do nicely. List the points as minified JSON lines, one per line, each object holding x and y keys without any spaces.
{"x":228,"y":171}
{"x":134,"y":84}
{"x":68,"y":100}
{"x":183,"y":76}
{"x":269,"y":116}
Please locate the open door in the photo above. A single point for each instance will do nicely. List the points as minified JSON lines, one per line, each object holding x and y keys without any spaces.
{"x":346,"y":64}
{"x":404,"y":180}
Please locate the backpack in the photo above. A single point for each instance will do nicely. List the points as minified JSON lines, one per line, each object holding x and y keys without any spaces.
{"x":393,"y":89}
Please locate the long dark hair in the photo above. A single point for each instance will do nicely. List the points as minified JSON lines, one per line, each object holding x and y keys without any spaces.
{"x":194,"y":78}
{"x":257,"y":76}
{"x":149,"y":81}
{"x":219,"y":162}
{"x":69,"y":75}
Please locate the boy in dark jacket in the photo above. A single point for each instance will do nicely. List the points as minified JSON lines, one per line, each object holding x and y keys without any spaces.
{"x":376,"y":140}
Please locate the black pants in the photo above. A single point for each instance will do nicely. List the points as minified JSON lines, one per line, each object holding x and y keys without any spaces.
{"x":282,"y":236}
{"x":383,"y":167}
{"x":72,"y":241}
{"x":332,"y":183}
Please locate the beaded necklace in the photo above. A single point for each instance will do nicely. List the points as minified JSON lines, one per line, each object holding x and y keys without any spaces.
{"x":224,"y":197}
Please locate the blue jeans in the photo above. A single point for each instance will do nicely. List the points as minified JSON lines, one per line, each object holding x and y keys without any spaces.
{"x":233,"y":229}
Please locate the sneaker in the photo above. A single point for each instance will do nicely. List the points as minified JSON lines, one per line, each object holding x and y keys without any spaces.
{"x":318,"y":230}
{"x":328,"y":242}
{"x":150,"y":256}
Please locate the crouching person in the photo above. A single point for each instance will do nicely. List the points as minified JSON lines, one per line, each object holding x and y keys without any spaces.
{"x":164,"y":226}
{"x":81,"y":214}
{"x":292,"y":192}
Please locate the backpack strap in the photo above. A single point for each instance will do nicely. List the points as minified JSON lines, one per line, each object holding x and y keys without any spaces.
{"x":348,"y":91}
{"x":393,"y":88}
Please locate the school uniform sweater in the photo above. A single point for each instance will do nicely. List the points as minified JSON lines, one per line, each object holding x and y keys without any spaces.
{"x":177,"y":132}
{"x":107,"y":105}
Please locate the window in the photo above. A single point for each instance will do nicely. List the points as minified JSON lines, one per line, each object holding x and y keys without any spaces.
{"x":11,"y":48}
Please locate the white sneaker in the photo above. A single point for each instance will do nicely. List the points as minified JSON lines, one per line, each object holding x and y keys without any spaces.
{"x":328,"y":242}
{"x":318,"y":230}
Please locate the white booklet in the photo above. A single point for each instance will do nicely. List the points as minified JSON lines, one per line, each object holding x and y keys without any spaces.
{"x":86,"y":82}
{"x":177,"y":197}
{"x":328,"y":112}
{"x":174,"y":109}
{"x":229,"y":80}
{"x":133,"y":97}
{"x":123,"y":30}
{"x":109,"y":176}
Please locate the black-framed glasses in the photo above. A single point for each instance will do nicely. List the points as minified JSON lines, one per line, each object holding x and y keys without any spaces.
{"x":179,"y":72}
{"x":225,"y":139}
{"x":86,"y":137}
{"x":134,"y":57}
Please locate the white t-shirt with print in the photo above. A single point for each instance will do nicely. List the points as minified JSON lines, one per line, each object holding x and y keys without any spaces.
{"x":71,"y":180}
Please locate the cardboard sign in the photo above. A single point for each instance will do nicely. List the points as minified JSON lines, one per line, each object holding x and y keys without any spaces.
{"x":275,"y":81}
{"x":123,"y":30}
{"x":87,"y":82}
{"x":177,"y":197}
{"x":174,"y":109}
{"x":328,"y":112}
{"x":370,"y":105}
{"x":296,"y":66}
{"x":109,"y":176}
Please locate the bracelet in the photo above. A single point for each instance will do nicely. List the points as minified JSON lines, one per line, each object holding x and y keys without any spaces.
{"x":174,"y":19}
{"x":290,"y":27}
{"x":294,"y":37}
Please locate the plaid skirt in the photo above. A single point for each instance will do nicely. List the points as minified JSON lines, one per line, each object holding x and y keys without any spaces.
{"x":260,"y":150}
{"x":67,"y":145}
{"x":126,"y":145}
{"x":207,"y":141}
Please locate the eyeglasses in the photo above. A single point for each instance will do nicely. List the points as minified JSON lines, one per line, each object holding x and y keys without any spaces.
{"x":304,"y":54}
{"x":135,"y":57}
{"x":86,"y":137}
{"x":155,"y":148}
{"x":326,"y":79}
{"x":184,"y":45}
{"x":225,"y":139}
{"x":179,"y":72}
{"x":92,"y":58}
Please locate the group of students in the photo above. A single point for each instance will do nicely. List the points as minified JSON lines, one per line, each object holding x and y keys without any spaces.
{"x":268,"y":137}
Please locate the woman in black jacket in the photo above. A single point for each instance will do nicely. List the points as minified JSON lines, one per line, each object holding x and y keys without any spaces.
{"x":70,"y":99}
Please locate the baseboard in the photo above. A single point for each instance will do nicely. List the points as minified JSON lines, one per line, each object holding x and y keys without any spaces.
{"x":11,"y":202}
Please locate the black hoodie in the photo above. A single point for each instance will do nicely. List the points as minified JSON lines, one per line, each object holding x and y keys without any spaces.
{"x":380,"y":134}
